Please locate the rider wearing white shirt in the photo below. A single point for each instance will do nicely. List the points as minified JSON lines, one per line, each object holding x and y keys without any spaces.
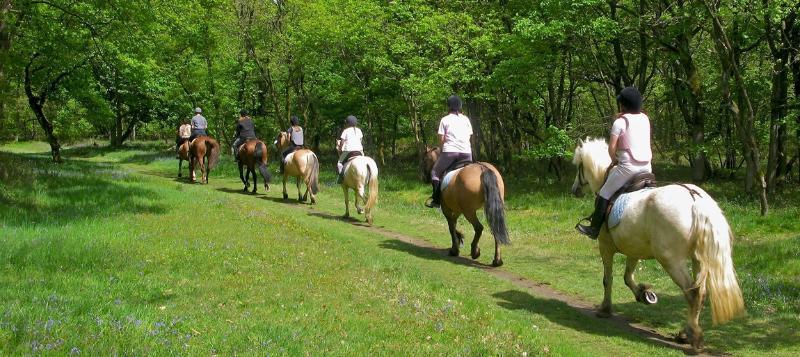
{"x":629,"y":148}
{"x":454,"y":132}
{"x":349,"y":142}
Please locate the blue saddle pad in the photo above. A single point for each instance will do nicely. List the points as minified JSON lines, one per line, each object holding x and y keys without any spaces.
{"x":448,"y":177}
{"x":619,"y":206}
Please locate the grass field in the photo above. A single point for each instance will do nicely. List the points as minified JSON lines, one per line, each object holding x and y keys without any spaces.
{"x":109,"y":253}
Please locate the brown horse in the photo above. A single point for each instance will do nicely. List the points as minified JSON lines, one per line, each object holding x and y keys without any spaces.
{"x":478,"y":185}
{"x":204,"y":152}
{"x":428,"y":160}
{"x":183,"y":155}
{"x":303,"y":165}
{"x":252,"y":153}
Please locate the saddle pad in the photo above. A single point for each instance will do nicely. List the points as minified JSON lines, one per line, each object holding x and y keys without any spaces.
{"x":615,"y":216}
{"x":288,"y":158}
{"x":448,"y":177}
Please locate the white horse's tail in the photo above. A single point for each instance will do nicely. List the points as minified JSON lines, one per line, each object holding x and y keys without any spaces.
{"x":712,"y":236}
{"x":372,"y":183}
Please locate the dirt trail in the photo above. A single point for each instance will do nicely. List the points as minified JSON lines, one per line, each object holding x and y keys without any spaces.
{"x":539,"y":289}
{"x":536,"y":288}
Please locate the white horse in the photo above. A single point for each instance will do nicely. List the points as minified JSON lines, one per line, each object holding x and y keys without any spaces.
{"x":361,"y":173}
{"x":673,"y":224}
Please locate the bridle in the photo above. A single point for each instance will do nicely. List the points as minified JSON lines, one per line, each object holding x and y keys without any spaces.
{"x":581,"y":178}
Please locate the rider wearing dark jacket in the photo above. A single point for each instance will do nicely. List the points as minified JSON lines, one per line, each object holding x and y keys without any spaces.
{"x":245,"y":130}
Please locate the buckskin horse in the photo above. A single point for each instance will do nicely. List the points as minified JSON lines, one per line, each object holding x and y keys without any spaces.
{"x":204,"y":152}
{"x":303,"y":165}
{"x":360,"y":173}
{"x":252,"y":153}
{"x":466,"y":190}
{"x":673,"y":224}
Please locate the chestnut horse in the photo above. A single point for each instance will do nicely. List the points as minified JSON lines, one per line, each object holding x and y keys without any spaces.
{"x":252,"y":153}
{"x":303,"y":165}
{"x":477,"y":185}
{"x":674,"y":224}
{"x":204,"y":152}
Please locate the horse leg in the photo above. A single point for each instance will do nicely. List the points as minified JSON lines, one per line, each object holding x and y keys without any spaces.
{"x":679,"y":273}
{"x":242,"y":177}
{"x":285,"y":194}
{"x":472,"y":218}
{"x":642,"y":292}
{"x":346,"y":202}
{"x":607,"y":254}
{"x":252,"y":170}
{"x":180,"y":165}
{"x":360,"y":194}
{"x":301,"y":198}
{"x":452,"y":219}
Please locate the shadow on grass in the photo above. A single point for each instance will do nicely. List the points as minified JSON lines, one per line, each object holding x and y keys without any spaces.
{"x":575,"y":318}
{"x":38,"y":192}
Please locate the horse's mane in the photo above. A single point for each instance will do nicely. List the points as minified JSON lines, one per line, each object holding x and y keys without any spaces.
{"x":594,"y":148}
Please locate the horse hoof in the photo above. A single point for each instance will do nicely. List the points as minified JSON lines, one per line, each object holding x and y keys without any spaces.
{"x":360,"y":211}
{"x":477,"y":254}
{"x":369,"y":220}
{"x":453,"y":252}
{"x":497,"y":263}
{"x":603,"y":314}
{"x":650,"y":297}
{"x":681,"y":337}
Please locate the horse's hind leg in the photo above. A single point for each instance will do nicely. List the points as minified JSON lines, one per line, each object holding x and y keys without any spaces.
{"x":452,"y":219}
{"x":252,"y":170}
{"x":301,"y":198}
{"x":242,"y":177}
{"x":285,"y":194}
{"x":642,"y":292}
{"x":346,"y":202}
{"x":607,"y":254}
{"x":679,"y":273}
{"x":360,"y":194}
{"x":475,"y":252}
{"x":180,"y":164}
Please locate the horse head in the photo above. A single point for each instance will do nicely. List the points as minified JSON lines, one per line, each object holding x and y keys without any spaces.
{"x":591,"y":159}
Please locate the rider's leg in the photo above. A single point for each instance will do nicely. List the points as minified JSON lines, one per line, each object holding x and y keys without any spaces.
{"x":598,"y":216}
{"x":617,"y":178}
{"x":442,"y":163}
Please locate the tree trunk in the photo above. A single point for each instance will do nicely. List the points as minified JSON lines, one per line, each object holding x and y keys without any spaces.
{"x":741,"y":109}
{"x":777,"y":160}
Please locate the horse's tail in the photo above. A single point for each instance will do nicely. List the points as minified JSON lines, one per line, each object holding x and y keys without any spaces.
{"x":493,"y":206}
{"x":372,"y":183}
{"x":712,"y":236}
{"x":261,"y":161}
{"x":212,"y":150}
{"x":313,"y":177}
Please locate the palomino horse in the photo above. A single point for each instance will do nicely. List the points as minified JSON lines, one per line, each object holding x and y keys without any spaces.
{"x":183,"y":155}
{"x":303,"y":165}
{"x":360,"y":173}
{"x":477,"y":185}
{"x":673,"y":224}
{"x":204,"y":152}
{"x":428,"y":160}
{"x":252,"y":153}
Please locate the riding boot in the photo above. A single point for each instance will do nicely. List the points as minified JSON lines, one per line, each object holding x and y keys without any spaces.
{"x":436,"y":198}
{"x":598,"y":218}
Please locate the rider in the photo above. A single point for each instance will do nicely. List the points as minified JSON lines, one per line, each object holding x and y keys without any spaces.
{"x":199,"y":124}
{"x":295,"y":139}
{"x":629,"y":148}
{"x":184,"y":132}
{"x":455,"y":131}
{"x":349,"y":142}
{"x":245,"y":130}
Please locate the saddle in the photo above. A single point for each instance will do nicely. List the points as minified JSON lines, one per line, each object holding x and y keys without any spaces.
{"x":638,"y":182}
{"x":455,"y":166}
{"x":352,"y":155}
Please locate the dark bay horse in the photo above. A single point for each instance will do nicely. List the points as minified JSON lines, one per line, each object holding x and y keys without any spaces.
{"x":204,"y":152}
{"x":477,"y":185}
{"x":251,"y":154}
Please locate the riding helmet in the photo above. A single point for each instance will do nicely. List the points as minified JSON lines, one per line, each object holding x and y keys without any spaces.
{"x":454,"y":103}
{"x":630,"y":98}
{"x":351,"y":120}
{"x":198,"y":110}
{"x":294,"y":120}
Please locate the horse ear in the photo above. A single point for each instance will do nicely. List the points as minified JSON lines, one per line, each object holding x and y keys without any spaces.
{"x":580,"y":143}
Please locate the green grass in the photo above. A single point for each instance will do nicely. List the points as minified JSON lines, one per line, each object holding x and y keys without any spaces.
{"x":103,"y":255}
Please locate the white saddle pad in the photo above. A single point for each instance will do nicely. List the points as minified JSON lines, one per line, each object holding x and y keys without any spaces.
{"x":447,"y":178}
{"x":288,"y":158}
{"x":615,"y":216}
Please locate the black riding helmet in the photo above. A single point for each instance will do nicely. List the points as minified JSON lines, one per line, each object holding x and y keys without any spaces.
{"x":295,"y":120}
{"x":351,"y":120}
{"x":454,"y":103}
{"x":244,"y":113}
{"x":631,"y":99}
